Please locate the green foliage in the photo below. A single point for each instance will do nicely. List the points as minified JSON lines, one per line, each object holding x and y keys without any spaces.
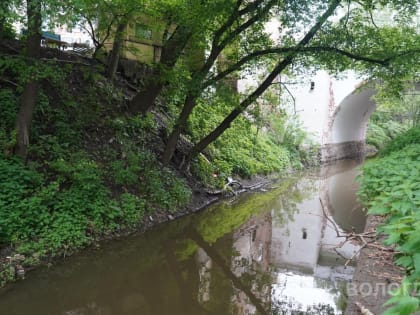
{"x":137,"y":128}
{"x":133,"y":208}
{"x":52,"y":217}
{"x":390,"y":187}
{"x":376,"y":135}
{"x":241,"y":150}
{"x":139,"y":171}
{"x":207,"y":173}
{"x":26,"y":71}
{"x":57,"y":216}
{"x":288,"y":132}
{"x":383,"y":127}
{"x":89,"y":174}
{"x":8,"y":32}
{"x":8,"y":112}
{"x":411,"y":136}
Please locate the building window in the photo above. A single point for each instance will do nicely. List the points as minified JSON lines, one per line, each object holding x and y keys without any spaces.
{"x":142,"y":32}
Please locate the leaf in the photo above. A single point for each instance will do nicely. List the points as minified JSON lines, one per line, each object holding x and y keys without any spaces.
{"x":416,"y":261}
{"x":393,"y":238}
{"x":404,"y":305}
{"x":405,"y":261}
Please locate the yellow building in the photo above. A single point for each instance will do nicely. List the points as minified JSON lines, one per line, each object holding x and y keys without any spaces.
{"x":142,"y":40}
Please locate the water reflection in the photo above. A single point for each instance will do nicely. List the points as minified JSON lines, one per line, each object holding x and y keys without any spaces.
{"x":271,"y":253}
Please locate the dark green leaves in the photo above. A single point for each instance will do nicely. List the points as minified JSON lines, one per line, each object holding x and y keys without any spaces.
{"x":391,"y":187}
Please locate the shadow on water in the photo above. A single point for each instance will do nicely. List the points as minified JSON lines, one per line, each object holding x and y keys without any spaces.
{"x":264,"y":253}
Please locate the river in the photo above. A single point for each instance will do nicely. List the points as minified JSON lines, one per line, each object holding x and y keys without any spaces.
{"x":275,"y":252}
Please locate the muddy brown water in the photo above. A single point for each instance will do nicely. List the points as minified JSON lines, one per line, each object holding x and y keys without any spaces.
{"x":263,"y":253}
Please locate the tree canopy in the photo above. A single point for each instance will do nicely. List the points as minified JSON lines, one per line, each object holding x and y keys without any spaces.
{"x":378,"y":39}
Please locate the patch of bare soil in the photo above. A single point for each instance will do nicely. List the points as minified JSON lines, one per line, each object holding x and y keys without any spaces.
{"x":376,"y":274}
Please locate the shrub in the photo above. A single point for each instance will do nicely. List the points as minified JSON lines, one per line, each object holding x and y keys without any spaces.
{"x":241,"y":150}
{"x":140,"y":172}
{"x":411,"y":136}
{"x":390,"y":186}
{"x":63,"y":213}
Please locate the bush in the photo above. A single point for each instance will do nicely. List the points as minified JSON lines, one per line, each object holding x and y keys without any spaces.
{"x":390,"y":186}
{"x":241,"y":150}
{"x":411,"y":136}
{"x":64,"y":213}
{"x":376,"y":136}
{"x":139,"y":172}
{"x":382,"y":128}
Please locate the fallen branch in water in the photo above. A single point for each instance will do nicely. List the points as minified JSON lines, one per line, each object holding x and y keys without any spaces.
{"x":353,"y":236}
{"x":231,"y":183}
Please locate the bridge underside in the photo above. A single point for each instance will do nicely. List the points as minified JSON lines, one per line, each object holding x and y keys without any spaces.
{"x":347,"y":128}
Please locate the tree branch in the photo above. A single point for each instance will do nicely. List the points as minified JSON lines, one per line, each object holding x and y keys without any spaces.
{"x":247,"y":24}
{"x":304,"y":50}
{"x":283,"y":64}
{"x":232,"y":18}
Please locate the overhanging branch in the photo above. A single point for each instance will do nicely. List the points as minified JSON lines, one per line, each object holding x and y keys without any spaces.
{"x":305,"y":50}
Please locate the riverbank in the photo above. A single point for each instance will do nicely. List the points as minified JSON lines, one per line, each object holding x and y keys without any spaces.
{"x":14,"y":266}
{"x":228,"y":255}
{"x":95,"y":171}
{"x":376,"y":274}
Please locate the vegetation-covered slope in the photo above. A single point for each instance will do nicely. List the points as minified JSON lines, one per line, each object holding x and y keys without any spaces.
{"x":81,"y":155}
{"x":93,"y":171}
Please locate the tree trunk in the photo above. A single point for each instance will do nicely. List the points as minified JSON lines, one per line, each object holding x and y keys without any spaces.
{"x":114,"y":59}
{"x":171,"y":51}
{"x":178,"y":129}
{"x":225,"y":124}
{"x":4,"y":11}
{"x":31,"y":88}
{"x":199,"y":75}
{"x":2,"y":22}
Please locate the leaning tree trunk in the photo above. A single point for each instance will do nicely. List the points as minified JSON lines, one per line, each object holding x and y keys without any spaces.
{"x":3,"y":11}
{"x":31,"y":88}
{"x":178,"y":129}
{"x":225,"y":124}
{"x":116,"y":51}
{"x":171,"y":51}
{"x":218,"y":44}
{"x":2,"y":27}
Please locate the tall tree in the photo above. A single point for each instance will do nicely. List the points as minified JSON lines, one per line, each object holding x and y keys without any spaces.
{"x":116,"y":49}
{"x":172,"y":49}
{"x":31,"y":88}
{"x":281,"y":66}
{"x":240,"y":19}
{"x":369,"y":49}
{"x":193,"y":20}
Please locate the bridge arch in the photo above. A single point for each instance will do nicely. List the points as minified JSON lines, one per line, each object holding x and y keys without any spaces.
{"x":346,"y":129}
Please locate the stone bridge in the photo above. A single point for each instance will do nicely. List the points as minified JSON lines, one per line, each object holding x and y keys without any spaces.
{"x":336,"y":114}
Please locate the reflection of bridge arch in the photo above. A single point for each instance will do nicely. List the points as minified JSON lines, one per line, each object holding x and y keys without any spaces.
{"x":347,"y":126}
